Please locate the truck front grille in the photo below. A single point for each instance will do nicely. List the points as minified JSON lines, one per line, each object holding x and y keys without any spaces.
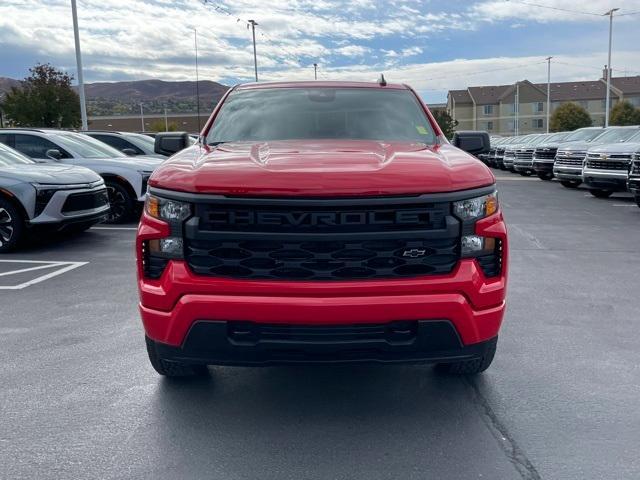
{"x":322,"y":239}
{"x":572,"y":159}
{"x":612,"y":162}
{"x":524,"y":154}
{"x":635,"y":167}
{"x":545,"y":153}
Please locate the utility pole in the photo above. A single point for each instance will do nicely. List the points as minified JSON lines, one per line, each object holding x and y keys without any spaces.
{"x":142,"y":117}
{"x":253,"y":24}
{"x":76,"y":35}
{"x":548,"y":91}
{"x":166,"y":122}
{"x":517,"y":108}
{"x":609,"y":70}
{"x":315,"y":71}
{"x":195,"y":40}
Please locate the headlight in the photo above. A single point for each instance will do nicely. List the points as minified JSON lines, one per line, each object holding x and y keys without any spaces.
{"x":166,"y":209}
{"x":474,"y":208}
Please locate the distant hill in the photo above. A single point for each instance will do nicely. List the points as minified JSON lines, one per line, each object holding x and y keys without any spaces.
{"x":119,"y":98}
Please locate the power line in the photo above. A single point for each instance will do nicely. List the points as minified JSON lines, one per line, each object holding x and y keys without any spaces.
{"x":549,"y":7}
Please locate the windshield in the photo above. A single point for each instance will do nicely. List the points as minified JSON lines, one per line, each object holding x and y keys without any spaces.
{"x":9,"y":157}
{"x":321,"y":113}
{"x":557,"y":137}
{"x":144,"y":142}
{"x":86,"y":147}
{"x":538,"y":140}
{"x":617,"y":135}
{"x":584,"y":135}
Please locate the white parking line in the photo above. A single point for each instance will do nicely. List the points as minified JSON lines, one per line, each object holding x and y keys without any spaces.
{"x":66,"y":266}
{"x":114,"y":228}
{"x":624,"y":205}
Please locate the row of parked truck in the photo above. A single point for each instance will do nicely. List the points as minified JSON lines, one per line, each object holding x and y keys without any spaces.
{"x":606,"y":160}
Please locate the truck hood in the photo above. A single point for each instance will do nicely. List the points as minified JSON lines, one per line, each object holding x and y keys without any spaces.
{"x":50,"y":174}
{"x":577,"y":146}
{"x":321,"y":168}
{"x":616,"y":148}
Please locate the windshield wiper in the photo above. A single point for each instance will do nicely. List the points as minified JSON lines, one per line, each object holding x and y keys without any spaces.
{"x":215,"y":144}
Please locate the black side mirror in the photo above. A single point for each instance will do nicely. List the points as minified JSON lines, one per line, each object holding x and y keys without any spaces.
{"x":129,"y":151}
{"x":54,"y":154}
{"x":168,"y":143}
{"x":475,"y":143}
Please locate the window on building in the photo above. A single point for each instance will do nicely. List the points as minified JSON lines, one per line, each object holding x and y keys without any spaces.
{"x":635,"y":101}
{"x":511,"y":125}
{"x":511,"y":108}
{"x":488,"y":110}
{"x":538,"y":123}
{"x":489,"y":125}
{"x":584,"y":104}
{"x":538,"y":107}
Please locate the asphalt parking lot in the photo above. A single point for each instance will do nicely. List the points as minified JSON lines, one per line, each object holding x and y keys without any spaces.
{"x":80,"y":400}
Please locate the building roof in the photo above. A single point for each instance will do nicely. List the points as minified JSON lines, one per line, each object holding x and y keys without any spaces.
{"x":560,"y":91}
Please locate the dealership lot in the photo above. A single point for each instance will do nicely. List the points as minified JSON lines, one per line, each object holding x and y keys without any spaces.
{"x":80,"y":400}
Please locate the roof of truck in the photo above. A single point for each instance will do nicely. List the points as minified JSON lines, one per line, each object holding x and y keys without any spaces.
{"x":320,"y":84}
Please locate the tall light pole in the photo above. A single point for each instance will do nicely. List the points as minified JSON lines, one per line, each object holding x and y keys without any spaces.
{"x":548,"y":90}
{"x":195,"y":41}
{"x":608,"y":100}
{"x":315,"y":71}
{"x":517,"y":108}
{"x":76,"y":35}
{"x":142,"y":117}
{"x":253,"y":24}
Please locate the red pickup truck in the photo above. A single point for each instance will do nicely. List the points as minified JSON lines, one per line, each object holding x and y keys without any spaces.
{"x":321,"y":222}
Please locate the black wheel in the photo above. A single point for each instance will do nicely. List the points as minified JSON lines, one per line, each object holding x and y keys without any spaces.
{"x":570,"y":183}
{"x":11,"y":226}
{"x":599,"y":193}
{"x":120,"y":201}
{"x":545,"y":176}
{"x":638,"y":201}
{"x":525,"y":173}
{"x":470,"y":367}
{"x":171,"y":368}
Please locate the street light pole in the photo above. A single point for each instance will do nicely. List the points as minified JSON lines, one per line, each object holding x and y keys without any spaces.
{"x":548,"y":91}
{"x":76,"y":35}
{"x":253,"y":24}
{"x":195,"y":40}
{"x":315,"y":71}
{"x":142,"y":117}
{"x":609,"y":70}
{"x":517,"y":108}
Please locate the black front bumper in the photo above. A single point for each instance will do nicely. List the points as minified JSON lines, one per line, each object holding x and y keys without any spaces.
{"x":604,"y":183}
{"x":634,"y":186}
{"x":542,"y":167}
{"x":252,"y":344}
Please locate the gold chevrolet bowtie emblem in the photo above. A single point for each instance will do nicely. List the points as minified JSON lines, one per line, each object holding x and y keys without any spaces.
{"x":604,"y":157}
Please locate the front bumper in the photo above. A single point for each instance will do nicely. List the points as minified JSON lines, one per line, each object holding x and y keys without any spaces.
{"x":54,"y":213}
{"x":605,"y":179}
{"x":523,"y":166}
{"x":543,"y":166}
{"x":564,"y":172}
{"x":633,"y":185}
{"x":173,"y":305}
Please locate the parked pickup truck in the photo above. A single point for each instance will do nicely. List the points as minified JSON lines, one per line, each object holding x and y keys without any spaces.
{"x":606,"y":168}
{"x":570,"y":158}
{"x":634,"y":178}
{"x":321,"y":222}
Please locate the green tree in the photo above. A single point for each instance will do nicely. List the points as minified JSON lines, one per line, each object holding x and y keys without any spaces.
{"x":624,"y":114}
{"x":446,"y":122}
{"x":569,"y":116}
{"x":45,"y":99}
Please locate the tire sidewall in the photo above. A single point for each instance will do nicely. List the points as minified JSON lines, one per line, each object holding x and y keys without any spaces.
{"x":17,"y":222}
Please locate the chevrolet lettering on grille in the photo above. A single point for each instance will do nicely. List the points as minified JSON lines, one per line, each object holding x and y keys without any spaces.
{"x":318,"y":219}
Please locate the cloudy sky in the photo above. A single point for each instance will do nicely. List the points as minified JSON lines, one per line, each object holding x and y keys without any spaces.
{"x":434,"y":45}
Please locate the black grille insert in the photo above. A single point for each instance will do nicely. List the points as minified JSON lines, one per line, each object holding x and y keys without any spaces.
{"x":85,"y":201}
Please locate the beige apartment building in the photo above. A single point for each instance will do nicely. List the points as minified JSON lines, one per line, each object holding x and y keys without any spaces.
{"x":495,"y":108}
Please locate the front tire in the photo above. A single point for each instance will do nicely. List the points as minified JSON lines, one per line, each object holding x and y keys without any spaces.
{"x":470,"y":367}
{"x":121,"y":203}
{"x":169,"y":368}
{"x":545,"y":176}
{"x":599,"y":193}
{"x":570,"y":183}
{"x":11,"y":226}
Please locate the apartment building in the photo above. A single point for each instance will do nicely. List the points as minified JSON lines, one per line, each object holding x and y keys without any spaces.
{"x":522,"y":107}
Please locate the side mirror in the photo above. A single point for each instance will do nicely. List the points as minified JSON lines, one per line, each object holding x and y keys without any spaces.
{"x":129,"y":151}
{"x":168,"y":143}
{"x":475,"y":143}
{"x":54,"y":154}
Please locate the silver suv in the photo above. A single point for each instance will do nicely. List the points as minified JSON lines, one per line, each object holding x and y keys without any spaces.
{"x":129,"y":143}
{"x":126,"y":177}
{"x":58,"y":197}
